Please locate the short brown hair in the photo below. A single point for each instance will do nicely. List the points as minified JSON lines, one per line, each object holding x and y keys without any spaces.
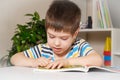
{"x":63,"y":15}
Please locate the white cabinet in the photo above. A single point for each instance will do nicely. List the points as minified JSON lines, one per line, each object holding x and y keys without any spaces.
{"x":97,"y":38}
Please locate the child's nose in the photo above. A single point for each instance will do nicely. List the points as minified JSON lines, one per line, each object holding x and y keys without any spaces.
{"x":57,"y":42}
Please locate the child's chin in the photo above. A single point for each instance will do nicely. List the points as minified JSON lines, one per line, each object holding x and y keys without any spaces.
{"x":57,"y":52}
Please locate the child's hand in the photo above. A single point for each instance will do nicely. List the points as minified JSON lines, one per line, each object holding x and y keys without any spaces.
{"x":42,"y":62}
{"x":58,"y":64}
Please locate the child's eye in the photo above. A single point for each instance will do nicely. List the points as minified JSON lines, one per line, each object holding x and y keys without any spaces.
{"x":51,"y":36}
{"x":64,"y":38}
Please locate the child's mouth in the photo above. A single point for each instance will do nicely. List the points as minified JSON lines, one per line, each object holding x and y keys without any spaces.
{"x":57,"y":49}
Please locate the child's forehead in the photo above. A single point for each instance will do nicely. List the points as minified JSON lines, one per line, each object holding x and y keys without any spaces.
{"x":53,"y":31}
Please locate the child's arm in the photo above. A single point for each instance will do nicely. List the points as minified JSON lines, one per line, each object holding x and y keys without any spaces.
{"x":93,"y":59}
{"x":19,"y":59}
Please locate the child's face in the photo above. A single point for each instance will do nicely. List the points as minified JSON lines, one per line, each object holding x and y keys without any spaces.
{"x":60,"y":42}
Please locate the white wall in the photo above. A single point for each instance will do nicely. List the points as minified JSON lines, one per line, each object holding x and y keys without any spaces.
{"x":12,"y":13}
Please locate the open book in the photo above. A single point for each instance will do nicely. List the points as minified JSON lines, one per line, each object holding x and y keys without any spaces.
{"x":78,"y":69}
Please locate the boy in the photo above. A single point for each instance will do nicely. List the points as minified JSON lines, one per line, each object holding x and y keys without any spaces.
{"x":62,"y":49}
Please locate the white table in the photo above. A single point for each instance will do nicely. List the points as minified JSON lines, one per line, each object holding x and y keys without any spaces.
{"x":24,"y":73}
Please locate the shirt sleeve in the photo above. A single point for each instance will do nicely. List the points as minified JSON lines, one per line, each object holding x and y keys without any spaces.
{"x":33,"y":52}
{"x":85,"y":48}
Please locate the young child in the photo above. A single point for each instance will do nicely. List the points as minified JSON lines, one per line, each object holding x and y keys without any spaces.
{"x":62,"y":49}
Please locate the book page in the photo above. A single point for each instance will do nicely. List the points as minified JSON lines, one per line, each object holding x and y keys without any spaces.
{"x":79,"y":68}
{"x":107,"y":69}
{"x":66,"y":69}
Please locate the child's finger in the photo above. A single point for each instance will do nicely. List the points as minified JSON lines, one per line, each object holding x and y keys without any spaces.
{"x":49,"y":66}
{"x":59,"y":66}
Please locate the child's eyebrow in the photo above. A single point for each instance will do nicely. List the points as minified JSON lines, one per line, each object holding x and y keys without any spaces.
{"x":50,"y":33}
{"x":64,"y":36}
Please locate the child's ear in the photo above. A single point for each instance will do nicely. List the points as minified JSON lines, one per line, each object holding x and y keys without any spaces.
{"x":77,"y":31}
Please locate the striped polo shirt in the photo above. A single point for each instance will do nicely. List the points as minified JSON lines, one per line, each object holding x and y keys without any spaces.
{"x":78,"y":49}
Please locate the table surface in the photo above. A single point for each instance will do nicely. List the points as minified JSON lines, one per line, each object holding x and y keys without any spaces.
{"x":24,"y":73}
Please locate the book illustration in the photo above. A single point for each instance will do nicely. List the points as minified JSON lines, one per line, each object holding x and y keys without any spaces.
{"x":75,"y":68}
{"x":79,"y":69}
